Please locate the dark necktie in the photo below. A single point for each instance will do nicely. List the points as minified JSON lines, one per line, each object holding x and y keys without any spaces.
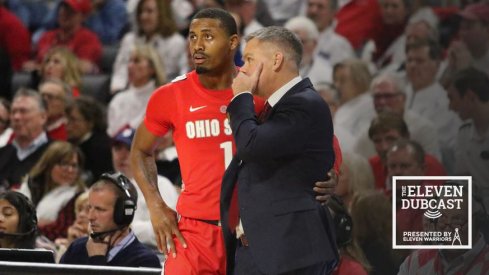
{"x":265,"y":113}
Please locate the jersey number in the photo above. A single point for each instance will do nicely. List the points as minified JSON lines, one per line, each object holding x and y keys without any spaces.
{"x":228,"y":152}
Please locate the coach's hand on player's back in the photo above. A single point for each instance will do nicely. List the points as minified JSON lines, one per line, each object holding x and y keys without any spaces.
{"x":164,"y":220}
{"x":325,"y":189}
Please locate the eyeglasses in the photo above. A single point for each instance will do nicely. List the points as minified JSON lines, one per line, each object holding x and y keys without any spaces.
{"x":66,"y":165}
{"x":49,"y":97}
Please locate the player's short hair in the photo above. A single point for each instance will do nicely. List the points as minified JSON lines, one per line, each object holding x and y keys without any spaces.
{"x":225,"y":18}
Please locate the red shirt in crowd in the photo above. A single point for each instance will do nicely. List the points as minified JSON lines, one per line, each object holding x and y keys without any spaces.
{"x":15,"y":39}
{"x":84,"y":44}
{"x":358,"y":21}
{"x":433,"y":168}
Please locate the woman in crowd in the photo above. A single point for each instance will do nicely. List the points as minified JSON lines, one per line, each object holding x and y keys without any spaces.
{"x":372,"y":216}
{"x":355,"y":177}
{"x":87,"y":129}
{"x":145,"y":73}
{"x":53,"y":185}
{"x":156,"y":27}
{"x":60,"y":63}
{"x":79,"y":228}
{"x":352,"y":259}
{"x":17,"y":216}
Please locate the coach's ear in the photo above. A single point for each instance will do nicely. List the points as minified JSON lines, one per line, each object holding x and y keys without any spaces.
{"x":234,"y":41}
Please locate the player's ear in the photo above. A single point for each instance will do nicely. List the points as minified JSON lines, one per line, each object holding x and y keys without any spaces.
{"x":234,"y":41}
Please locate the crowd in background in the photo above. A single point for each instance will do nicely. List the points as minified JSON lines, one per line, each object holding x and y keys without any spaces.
{"x":407,"y":83}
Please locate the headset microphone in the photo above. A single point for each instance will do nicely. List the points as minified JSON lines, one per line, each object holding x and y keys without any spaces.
{"x":99,"y":236}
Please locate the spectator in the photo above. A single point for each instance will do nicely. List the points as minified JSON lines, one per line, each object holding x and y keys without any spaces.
{"x":145,"y":74}
{"x":79,"y":228}
{"x":87,"y":129}
{"x":389,"y":96}
{"x":157,"y":28}
{"x":108,"y":20}
{"x":384,"y":131}
{"x":352,"y":79}
{"x":60,"y":63}
{"x":428,"y":98}
{"x":355,"y":177}
{"x":395,"y":15}
{"x":246,"y":9}
{"x":17,"y":215}
{"x":332,"y":46}
{"x":112,"y":203}
{"x":317,"y":68}
{"x":53,"y":185}
{"x":352,"y":259}
{"x":56,"y":94}
{"x":407,"y":158}
{"x":121,"y":145}
{"x":14,"y":38}
{"x":372,"y":216}
{"x":5,"y":131}
{"x":469,"y":97}
{"x":358,"y":20}
{"x":281,"y":10}
{"x":71,"y":34}
{"x":331,"y":96}
{"x":28,"y":118}
{"x":421,"y":26}
{"x":454,"y":261}
{"x":473,"y":47}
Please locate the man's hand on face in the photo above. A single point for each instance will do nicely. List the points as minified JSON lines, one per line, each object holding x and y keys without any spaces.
{"x":326,"y":188}
{"x":247,"y":83}
{"x":97,"y":247}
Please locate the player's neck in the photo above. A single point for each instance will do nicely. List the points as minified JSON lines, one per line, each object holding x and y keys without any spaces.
{"x":219,"y":79}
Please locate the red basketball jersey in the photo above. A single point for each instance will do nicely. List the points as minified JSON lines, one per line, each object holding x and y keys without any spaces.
{"x":202,"y":136}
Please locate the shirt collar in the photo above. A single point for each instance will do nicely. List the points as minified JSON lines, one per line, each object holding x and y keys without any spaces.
{"x":148,"y":87}
{"x":127,"y":240}
{"x":23,"y":153}
{"x":278,"y":94}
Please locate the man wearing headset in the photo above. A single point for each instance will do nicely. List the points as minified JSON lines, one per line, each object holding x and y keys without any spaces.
{"x":112,"y":202}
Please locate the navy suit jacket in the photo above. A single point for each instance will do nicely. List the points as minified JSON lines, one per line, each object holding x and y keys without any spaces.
{"x":276,"y":167}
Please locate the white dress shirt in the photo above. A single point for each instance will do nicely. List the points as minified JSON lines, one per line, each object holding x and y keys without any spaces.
{"x":128,"y":107}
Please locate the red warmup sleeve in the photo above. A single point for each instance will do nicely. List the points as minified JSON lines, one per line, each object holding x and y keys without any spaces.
{"x":87,"y":46}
